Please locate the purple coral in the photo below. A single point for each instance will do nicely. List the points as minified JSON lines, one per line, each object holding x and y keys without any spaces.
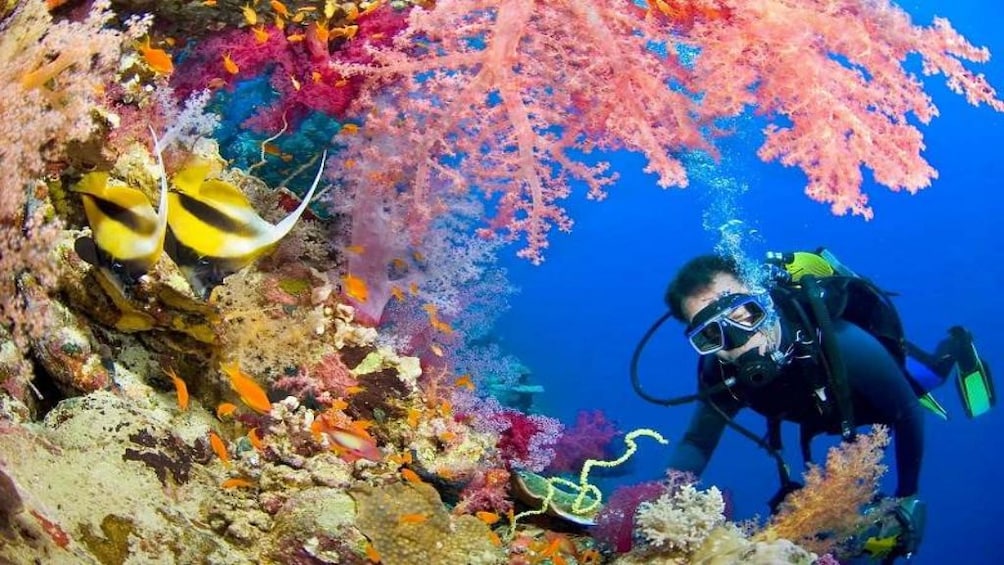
{"x":587,"y":440}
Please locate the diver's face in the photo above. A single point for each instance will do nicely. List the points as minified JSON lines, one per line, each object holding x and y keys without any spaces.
{"x":722,"y":284}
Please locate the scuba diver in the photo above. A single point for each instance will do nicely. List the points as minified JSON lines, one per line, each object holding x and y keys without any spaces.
{"x":823,"y":348}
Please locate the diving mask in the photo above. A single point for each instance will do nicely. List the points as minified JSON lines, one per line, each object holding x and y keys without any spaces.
{"x":728,"y":322}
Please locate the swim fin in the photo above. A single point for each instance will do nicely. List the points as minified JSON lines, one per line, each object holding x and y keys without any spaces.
{"x":974,"y":381}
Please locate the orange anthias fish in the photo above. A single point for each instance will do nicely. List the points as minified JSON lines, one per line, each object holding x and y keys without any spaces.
{"x":229,"y":65}
{"x":251,"y":393}
{"x":157,"y":59}
{"x":350,"y":443}
{"x":356,"y":288}
{"x":180,"y":388}
{"x":225,"y":410}
{"x":219,"y":448}
{"x":487,"y":517}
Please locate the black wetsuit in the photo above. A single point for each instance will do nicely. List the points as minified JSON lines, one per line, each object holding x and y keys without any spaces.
{"x":880,"y":394}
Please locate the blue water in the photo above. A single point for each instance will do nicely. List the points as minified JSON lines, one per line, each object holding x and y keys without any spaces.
{"x":578,"y":316}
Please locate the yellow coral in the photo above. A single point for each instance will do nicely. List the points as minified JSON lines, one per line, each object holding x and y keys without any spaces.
{"x":832,"y":499}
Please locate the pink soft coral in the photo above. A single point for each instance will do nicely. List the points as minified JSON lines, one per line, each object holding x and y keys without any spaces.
{"x":502,"y":96}
{"x":829,"y":76}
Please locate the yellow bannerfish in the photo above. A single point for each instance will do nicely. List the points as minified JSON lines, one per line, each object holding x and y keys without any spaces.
{"x":214,"y":230}
{"x":127,"y":233}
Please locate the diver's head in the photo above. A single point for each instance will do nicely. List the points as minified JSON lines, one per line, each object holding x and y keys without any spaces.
{"x":723,"y":316}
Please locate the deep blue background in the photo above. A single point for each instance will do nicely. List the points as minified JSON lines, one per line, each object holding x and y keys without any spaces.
{"x":578,"y":316}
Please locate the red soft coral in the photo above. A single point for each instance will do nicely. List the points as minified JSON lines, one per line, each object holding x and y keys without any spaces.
{"x":528,"y":441}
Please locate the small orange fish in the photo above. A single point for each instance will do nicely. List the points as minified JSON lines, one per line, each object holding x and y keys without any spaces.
{"x":414,"y":416}
{"x":255,"y":439}
{"x":465,"y":382}
{"x":348,"y":32}
{"x":279,"y":8}
{"x":180,"y":388}
{"x":349,"y":128}
{"x":229,"y":65}
{"x":362,"y":425}
{"x":494,"y":538}
{"x":295,"y":38}
{"x":250,"y":392}
{"x":350,"y":443}
{"x":225,"y":410}
{"x":354,"y":389}
{"x":371,"y":553}
{"x":250,"y":16}
{"x":219,"y":448}
{"x":411,"y":476}
{"x":401,"y":459}
{"x":397,"y":293}
{"x":260,"y":34}
{"x":321,"y":32}
{"x":351,"y":11}
{"x":487,"y":517}
{"x":237,"y":482}
{"x":355,"y":287}
{"x":436,"y":349}
{"x":445,"y":408}
{"x":210,"y":3}
{"x":157,"y":59}
{"x":416,"y":518}
{"x":315,"y":76}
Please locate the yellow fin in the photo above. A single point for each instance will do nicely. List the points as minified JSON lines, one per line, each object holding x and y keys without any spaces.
{"x":190,"y":178}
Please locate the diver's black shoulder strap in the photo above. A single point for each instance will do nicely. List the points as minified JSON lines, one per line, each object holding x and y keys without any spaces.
{"x":814,"y":306}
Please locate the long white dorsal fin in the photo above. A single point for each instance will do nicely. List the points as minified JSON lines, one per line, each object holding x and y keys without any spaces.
{"x":280,"y":230}
{"x":162,"y":207}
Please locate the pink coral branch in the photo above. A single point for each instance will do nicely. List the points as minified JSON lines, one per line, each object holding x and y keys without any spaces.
{"x":505,"y":95}
{"x":829,"y":75}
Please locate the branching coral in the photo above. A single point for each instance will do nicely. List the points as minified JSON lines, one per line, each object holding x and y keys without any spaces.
{"x":828,"y":509}
{"x":50,"y":84}
{"x":681,"y":521}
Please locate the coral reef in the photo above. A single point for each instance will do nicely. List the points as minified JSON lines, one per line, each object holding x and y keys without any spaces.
{"x":335,"y":399}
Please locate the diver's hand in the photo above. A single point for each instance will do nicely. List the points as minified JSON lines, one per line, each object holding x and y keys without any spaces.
{"x":895,"y":530}
{"x":912,"y":513}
